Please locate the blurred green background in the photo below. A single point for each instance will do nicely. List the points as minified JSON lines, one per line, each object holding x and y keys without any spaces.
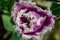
{"x":6,"y":24}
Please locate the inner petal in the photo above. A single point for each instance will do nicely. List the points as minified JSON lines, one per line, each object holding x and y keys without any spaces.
{"x":23,"y":19}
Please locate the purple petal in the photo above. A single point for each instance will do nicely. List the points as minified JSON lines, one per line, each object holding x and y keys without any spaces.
{"x":21,"y":27}
{"x":23,"y":19}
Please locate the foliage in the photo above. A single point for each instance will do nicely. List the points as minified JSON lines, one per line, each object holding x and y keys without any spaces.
{"x":16,"y":36}
{"x":55,"y":8}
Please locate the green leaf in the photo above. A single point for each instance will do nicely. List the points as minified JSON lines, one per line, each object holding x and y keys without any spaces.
{"x":56,"y":11}
{"x":55,"y":5}
{"x":16,"y":36}
{"x":9,"y":4}
{"x":55,"y":8}
{"x":33,"y":39}
{"x":7,"y":23}
{"x":6,"y":5}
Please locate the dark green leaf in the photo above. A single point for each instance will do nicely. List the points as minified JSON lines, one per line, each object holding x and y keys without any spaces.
{"x":54,"y":5}
{"x":5,"y":6}
{"x":55,"y":8}
{"x":56,"y":11}
{"x":12,"y":21}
